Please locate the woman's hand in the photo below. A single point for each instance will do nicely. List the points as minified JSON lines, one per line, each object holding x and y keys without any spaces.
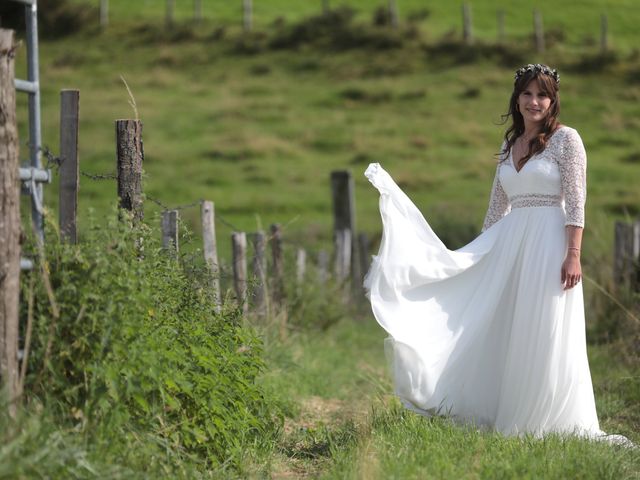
{"x":571,"y":270}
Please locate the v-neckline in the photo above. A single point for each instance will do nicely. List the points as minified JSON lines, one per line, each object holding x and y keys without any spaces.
{"x":513,"y":163}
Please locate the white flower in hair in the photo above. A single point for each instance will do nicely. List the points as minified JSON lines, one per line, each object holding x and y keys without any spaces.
{"x":537,"y":68}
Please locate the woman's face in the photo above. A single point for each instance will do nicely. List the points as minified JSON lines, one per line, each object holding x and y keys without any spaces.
{"x":533,"y":103}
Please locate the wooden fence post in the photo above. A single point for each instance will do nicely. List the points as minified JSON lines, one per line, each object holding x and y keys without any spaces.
{"x":301,"y":263}
{"x":259,"y":274}
{"x":635,"y":257}
{"x":604,"y":33}
{"x":277,"y":289}
{"x":325,"y":7}
{"x":323,"y":264}
{"x":170,"y":231}
{"x":239,"y":255}
{"x":9,"y":222}
{"x":104,"y":13}
{"x":501,"y":34}
{"x":343,"y":254}
{"x":467,"y":32}
{"x":538,"y":31}
{"x":363,"y":247}
{"x":210,"y":249}
{"x":344,"y":219}
{"x":169,"y":13}
{"x":393,"y":13}
{"x":247,"y":14}
{"x":623,"y":254}
{"x":197,"y":10}
{"x":69,"y":169}
{"x":130,"y":159}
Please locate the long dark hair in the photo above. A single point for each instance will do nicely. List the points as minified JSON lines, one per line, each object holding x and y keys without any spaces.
{"x":548,"y":85}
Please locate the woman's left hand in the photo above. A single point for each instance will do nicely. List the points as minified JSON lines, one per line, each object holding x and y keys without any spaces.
{"x":571,"y":270}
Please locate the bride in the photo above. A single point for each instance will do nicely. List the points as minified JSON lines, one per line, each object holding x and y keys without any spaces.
{"x":493,"y":333}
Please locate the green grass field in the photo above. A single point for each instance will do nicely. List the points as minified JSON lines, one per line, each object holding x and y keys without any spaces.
{"x":259,"y":134}
{"x":345,"y":424}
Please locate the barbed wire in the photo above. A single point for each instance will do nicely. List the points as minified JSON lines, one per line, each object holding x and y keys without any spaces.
{"x":99,"y":176}
{"x":11,"y":51}
{"x":52,"y":160}
{"x":179,"y":207}
{"x":227,"y":223}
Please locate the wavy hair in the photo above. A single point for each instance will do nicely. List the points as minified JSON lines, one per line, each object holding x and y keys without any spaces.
{"x":548,"y":85}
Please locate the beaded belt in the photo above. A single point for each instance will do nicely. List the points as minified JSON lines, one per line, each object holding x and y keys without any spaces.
{"x":535,"y":200}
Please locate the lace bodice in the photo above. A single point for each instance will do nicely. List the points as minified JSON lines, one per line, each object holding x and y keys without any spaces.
{"x":556,"y":176}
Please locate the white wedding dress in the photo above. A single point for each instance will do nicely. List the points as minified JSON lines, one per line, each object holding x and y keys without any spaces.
{"x":486,"y":334}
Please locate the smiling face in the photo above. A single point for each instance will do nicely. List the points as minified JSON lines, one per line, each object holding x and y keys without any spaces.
{"x":534,"y":103}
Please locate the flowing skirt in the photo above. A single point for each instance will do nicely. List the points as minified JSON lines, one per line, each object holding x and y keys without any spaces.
{"x":484,"y":334}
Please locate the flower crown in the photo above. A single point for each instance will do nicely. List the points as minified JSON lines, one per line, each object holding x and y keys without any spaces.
{"x":537,"y":68}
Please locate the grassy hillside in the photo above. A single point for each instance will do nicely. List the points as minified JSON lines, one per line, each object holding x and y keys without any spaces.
{"x":260,"y":133}
{"x":579,"y":20}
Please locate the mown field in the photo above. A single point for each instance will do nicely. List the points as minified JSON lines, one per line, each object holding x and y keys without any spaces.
{"x":257,"y":123}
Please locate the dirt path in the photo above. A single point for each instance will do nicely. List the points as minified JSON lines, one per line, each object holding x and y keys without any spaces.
{"x":305,"y":445}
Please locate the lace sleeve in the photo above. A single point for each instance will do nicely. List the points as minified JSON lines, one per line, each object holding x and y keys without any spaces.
{"x":573,"y":170}
{"x":498,"y":203}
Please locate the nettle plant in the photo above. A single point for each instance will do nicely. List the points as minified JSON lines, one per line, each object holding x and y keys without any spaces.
{"x":137,"y":343}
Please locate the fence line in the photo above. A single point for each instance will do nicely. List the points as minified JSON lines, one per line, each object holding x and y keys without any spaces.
{"x":246,"y":9}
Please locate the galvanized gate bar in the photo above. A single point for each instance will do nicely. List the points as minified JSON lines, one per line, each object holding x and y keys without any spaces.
{"x":26,"y":86}
{"x":33,"y":176}
{"x":35,"y":134}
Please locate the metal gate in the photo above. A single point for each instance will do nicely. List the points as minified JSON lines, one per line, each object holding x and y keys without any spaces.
{"x":32,"y":174}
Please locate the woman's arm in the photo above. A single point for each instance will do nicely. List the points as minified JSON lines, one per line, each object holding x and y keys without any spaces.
{"x":573,"y":170}
{"x":571,"y":272}
{"x":498,"y":202}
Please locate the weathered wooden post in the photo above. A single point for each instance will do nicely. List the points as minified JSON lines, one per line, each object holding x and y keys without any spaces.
{"x":635,"y":257}
{"x":170,"y":231}
{"x":210,"y":249}
{"x":9,"y":222}
{"x":301,"y":263}
{"x":363,"y":247}
{"x":344,"y":219}
{"x":467,"y":32}
{"x":247,"y":14}
{"x":239,"y":258}
{"x":343,"y":254}
{"x":197,"y":10}
{"x":104,"y":13}
{"x":323,"y":264}
{"x":277,"y":289}
{"x":623,"y":254}
{"x":538,"y":31}
{"x":259,"y":274}
{"x":604,"y":33}
{"x":69,"y":169}
{"x":130,"y":158}
{"x":325,"y":7}
{"x":393,"y":13}
{"x":501,"y":34}
{"x":169,"y":13}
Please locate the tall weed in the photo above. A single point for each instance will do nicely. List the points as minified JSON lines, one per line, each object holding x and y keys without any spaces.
{"x":139,"y":347}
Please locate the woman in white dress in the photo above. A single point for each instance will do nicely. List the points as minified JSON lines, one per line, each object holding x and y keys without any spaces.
{"x":493,"y":333}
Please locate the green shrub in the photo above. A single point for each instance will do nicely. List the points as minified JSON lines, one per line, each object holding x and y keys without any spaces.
{"x":138,"y":344}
